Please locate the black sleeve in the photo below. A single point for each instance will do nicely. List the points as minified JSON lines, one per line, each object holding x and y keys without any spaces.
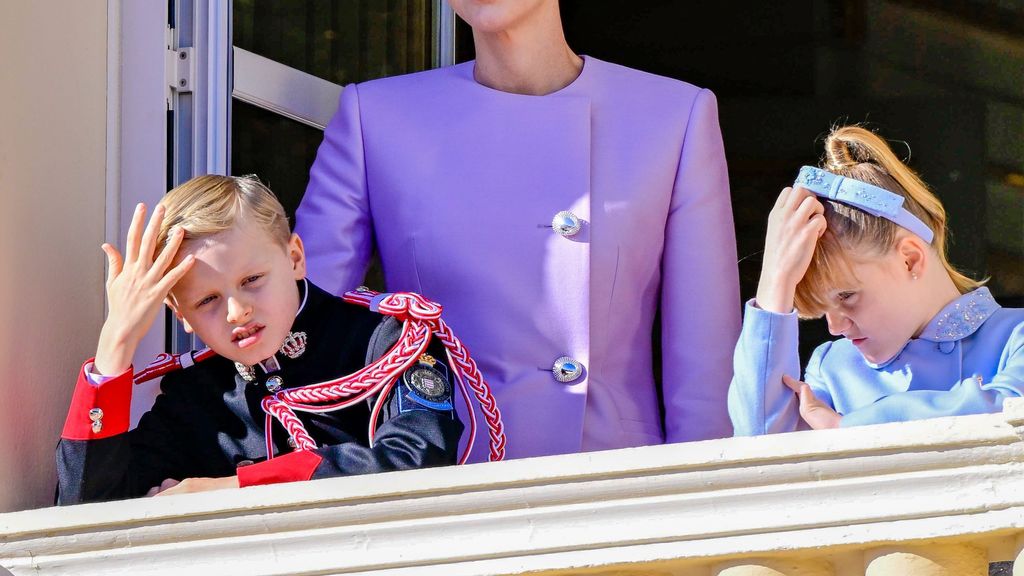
{"x":126,"y":465}
{"x":419,"y":426}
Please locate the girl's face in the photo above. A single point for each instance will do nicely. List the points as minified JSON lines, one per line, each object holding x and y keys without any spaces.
{"x":879,"y":309}
{"x":497,"y":15}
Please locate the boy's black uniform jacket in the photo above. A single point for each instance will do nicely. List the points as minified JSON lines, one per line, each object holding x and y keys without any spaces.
{"x":208,"y":421}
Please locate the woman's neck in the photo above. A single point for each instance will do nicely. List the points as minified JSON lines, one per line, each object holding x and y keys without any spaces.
{"x":530,"y":58}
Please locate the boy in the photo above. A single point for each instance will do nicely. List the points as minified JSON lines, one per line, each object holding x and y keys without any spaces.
{"x":219,"y":253}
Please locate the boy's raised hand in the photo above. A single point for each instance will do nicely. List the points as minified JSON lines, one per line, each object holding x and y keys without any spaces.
{"x":136,"y":287}
{"x":794,"y":226}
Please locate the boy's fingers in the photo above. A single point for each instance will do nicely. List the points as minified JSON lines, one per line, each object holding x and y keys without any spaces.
{"x":175,"y":274}
{"x":131,"y":247}
{"x":174,"y":240}
{"x":163,"y":487}
{"x":114,"y":262}
{"x":148,"y":245}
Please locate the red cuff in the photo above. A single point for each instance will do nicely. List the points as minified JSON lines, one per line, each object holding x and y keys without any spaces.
{"x":292,"y":467}
{"x":112,"y":402}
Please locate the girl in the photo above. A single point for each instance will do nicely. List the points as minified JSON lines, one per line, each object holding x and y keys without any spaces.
{"x":862,"y":242}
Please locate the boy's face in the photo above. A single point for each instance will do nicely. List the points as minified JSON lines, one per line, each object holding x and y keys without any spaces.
{"x":240,"y":297}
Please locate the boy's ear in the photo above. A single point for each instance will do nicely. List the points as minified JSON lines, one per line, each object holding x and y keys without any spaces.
{"x":297,"y":254}
{"x":914,"y":252}
{"x":170,"y":302}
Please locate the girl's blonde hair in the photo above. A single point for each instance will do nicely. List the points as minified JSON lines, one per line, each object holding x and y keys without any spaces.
{"x":206,"y":205}
{"x":857,"y":153}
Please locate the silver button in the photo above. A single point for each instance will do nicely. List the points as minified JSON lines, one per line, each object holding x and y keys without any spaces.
{"x":565,"y":223}
{"x":566,"y":369}
{"x":292,"y":443}
{"x":274,"y":383}
{"x":96,"y":415}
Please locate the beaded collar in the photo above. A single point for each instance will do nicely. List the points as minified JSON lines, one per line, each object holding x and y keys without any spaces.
{"x":961,"y":317}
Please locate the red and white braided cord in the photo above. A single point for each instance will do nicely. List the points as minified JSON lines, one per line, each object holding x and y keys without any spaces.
{"x":165,"y":363}
{"x":421,"y":318}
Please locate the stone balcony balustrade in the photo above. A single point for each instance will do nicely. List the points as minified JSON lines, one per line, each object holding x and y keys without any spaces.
{"x":934,"y":497}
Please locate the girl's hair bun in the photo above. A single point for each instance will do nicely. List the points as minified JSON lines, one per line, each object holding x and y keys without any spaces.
{"x":842,"y":149}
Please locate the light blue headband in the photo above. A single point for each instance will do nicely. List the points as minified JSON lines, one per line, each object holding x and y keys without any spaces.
{"x":869,"y":198}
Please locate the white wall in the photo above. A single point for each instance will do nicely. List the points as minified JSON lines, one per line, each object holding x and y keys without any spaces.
{"x":53,"y":114}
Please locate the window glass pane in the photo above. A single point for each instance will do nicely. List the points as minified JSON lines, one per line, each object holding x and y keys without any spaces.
{"x":280,"y":151}
{"x":277,"y":149}
{"x":342,"y":41}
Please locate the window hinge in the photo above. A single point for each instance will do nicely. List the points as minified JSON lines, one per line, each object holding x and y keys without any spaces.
{"x":180,"y":70}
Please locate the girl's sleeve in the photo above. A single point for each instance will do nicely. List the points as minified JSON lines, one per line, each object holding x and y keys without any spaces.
{"x":334,"y":218}
{"x":968,"y":396}
{"x":759,"y":402}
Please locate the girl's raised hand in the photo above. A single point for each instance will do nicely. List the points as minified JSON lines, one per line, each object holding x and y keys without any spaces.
{"x":794,"y":226}
{"x":137,"y":285}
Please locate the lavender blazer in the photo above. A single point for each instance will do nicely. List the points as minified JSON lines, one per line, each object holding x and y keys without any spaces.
{"x":456,"y":185}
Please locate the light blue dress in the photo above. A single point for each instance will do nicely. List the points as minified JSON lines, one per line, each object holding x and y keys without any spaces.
{"x":966,"y":361}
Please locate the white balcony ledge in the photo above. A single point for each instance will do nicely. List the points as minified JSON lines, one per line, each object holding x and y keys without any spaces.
{"x":834,"y":500}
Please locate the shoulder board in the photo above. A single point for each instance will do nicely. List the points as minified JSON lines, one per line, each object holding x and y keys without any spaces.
{"x":402,"y":305}
{"x":361,"y":296}
{"x":166,"y":363}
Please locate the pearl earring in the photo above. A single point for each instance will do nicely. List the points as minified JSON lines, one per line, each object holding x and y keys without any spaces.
{"x":913,"y":275}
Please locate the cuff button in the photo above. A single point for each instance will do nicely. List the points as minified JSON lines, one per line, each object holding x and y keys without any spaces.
{"x":96,"y":415}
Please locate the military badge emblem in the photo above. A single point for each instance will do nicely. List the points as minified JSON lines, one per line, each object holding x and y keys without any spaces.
{"x":428,"y":383}
{"x":426,"y":386}
{"x":294,"y":345}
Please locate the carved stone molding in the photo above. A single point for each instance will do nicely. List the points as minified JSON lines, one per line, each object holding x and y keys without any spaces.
{"x":822,"y":500}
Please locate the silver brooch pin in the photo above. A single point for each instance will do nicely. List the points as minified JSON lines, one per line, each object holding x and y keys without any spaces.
{"x":248,"y":373}
{"x":294,"y":345}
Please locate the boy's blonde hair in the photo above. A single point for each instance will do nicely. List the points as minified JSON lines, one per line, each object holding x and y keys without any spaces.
{"x":206,"y":205}
{"x":854,"y":152}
